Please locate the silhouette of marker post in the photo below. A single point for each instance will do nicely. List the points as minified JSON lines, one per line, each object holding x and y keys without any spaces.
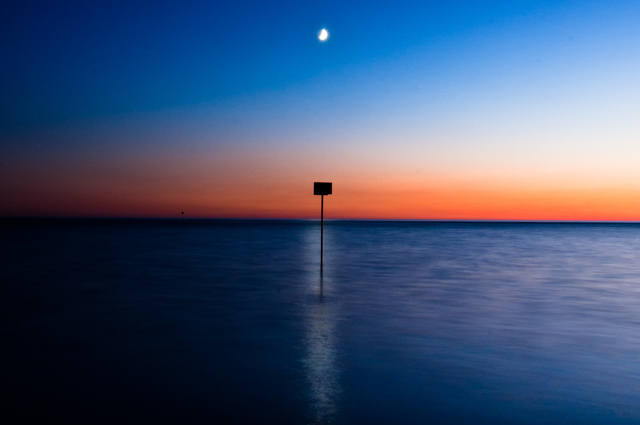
{"x":321,"y":188}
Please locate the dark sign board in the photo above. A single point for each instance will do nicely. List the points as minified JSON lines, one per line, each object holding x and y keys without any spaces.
{"x":321,"y":188}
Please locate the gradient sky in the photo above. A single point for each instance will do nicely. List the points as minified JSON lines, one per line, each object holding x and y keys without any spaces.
{"x":413,"y":109}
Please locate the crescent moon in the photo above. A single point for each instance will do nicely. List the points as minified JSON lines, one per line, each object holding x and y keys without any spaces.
{"x":323,"y":35}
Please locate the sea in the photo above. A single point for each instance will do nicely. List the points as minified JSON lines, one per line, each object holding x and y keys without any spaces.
{"x":234,"y":322}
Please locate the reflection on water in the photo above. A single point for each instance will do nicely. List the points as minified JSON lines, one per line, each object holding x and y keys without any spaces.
{"x":320,"y":362}
{"x":320,"y":315}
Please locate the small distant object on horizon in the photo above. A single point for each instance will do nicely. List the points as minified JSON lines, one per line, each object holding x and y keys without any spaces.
{"x":323,"y":34}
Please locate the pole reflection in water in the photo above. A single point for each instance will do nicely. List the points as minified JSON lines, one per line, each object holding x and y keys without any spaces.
{"x":320,"y":364}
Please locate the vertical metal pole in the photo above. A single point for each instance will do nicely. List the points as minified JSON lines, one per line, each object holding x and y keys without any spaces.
{"x":321,"y":228}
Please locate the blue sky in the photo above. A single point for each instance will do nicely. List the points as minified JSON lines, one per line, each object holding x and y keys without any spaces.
{"x":508,"y":90}
{"x":89,"y":59}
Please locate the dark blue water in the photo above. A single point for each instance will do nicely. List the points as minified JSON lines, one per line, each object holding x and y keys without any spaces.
{"x":231,"y":322}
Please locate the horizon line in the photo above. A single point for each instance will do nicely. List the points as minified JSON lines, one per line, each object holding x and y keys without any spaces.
{"x":290,"y":219}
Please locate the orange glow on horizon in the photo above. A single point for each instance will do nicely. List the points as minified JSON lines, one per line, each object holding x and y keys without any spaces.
{"x":296,"y":201}
{"x":250,"y":186}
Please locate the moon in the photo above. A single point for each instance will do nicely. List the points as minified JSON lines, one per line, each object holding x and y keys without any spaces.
{"x":323,"y":35}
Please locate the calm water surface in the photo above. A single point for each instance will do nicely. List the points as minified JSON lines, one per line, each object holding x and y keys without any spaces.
{"x":231,"y":322}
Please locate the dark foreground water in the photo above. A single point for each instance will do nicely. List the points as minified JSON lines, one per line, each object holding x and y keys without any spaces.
{"x":231,"y":322}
